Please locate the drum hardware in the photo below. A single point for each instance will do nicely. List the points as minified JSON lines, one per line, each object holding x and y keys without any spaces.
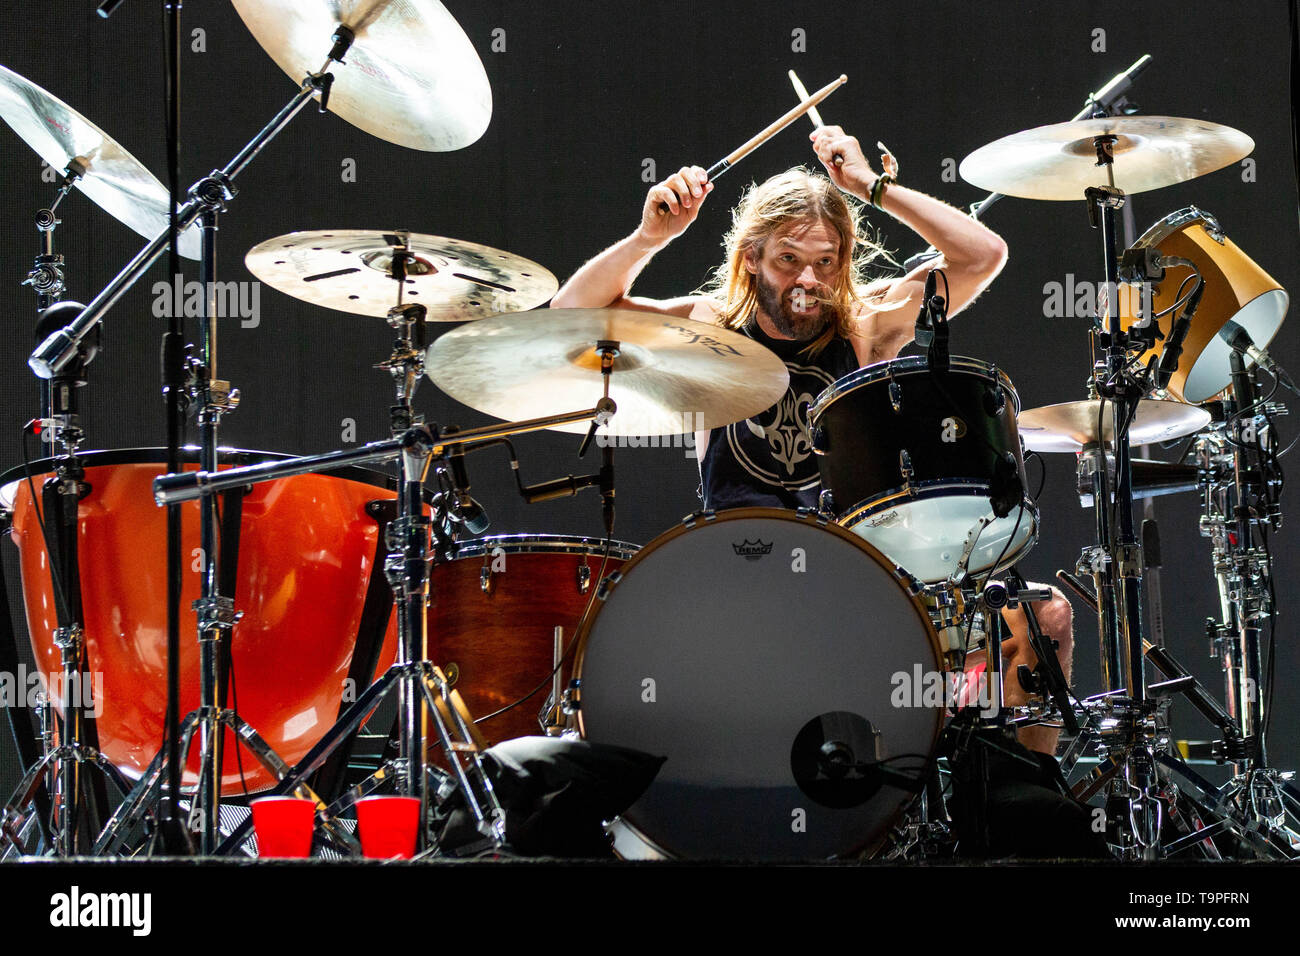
{"x":1060,"y":162}
{"x":420,"y":684}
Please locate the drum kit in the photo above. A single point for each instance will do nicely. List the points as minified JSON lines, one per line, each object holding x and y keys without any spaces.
{"x":756,"y":649}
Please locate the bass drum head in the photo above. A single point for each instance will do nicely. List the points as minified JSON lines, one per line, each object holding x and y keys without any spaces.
{"x":758,"y":652}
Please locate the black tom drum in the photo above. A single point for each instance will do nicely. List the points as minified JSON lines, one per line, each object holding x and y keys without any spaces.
{"x":922,"y":463}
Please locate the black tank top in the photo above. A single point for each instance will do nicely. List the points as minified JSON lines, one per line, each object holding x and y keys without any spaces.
{"x":767,"y":461}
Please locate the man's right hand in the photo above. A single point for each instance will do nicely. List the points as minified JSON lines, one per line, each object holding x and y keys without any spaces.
{"x":683,"y":193}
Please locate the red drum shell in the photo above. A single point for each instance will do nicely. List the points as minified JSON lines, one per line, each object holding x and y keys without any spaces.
{"x":306,"y":553}
{"x":499,"y":643}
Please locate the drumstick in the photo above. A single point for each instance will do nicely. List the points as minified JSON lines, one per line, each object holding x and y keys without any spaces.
{"x":751,"y":144}
{"x":802,"y":92}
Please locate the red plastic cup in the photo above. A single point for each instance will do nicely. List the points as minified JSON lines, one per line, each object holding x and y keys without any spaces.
{"x":283,"y":826}
{"x":388,"y":826}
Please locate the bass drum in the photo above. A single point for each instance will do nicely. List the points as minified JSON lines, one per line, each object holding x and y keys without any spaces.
{"x":760,"y":651}
{"x":307,"y":547}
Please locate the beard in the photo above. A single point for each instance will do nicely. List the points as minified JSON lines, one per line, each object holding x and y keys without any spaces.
{"x":797,"y":326}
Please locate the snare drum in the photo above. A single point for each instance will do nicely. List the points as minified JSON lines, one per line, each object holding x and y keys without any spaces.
{"x":761,"y":652}
{"x":306,"y":552}
{"x":493,"y":616}
{"x":910,"y":460}
{"x":1236,"y":290}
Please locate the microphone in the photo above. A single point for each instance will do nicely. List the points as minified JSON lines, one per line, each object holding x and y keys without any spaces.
{"x":1173,"y":349}
{"x":924,"y":318}
{"x":1239,"y":340}
{"x":1120,"y":84}
{"x":466,"y":509}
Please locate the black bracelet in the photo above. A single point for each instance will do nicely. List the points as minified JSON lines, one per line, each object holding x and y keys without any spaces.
{"x":883,"y":182}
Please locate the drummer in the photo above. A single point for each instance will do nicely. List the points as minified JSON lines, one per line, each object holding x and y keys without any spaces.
{"x":794,"y":280}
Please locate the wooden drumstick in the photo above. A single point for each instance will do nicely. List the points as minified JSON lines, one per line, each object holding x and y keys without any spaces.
{"x":751,"y":144}
{"x":801,"y":91}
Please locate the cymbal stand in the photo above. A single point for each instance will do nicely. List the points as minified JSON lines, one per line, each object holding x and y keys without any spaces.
{"x":426,"y":691}
{"x":1240,"y":501}
{"x":77,"y":803}
{"x":1132,"y":722}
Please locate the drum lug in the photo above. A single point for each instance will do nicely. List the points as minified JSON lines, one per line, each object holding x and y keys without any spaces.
{"x":895,"y":394}
{"x":608,"y":583}
{"x":215,"y":612}
{"x":997,"y":402}
{"x":584,"y":576}
{"x":691,"y":520}
{"x":485,"y":577}
{"x":905,"y":469}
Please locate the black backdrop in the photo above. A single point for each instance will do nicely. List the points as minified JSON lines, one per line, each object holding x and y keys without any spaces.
{"x":584,"y":93}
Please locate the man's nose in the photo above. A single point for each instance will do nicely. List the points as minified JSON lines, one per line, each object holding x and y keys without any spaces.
{"x":808,"y":277}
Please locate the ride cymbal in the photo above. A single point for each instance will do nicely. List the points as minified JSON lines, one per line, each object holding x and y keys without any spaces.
{"x":670,"y":376}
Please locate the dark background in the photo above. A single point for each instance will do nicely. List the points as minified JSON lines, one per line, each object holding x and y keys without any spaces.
{"x":582,"y":95}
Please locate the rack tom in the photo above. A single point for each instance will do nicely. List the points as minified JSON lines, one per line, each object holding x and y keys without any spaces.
{"x":921,"y":464}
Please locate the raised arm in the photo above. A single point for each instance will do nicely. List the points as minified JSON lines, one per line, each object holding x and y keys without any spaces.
{"x":607,"y":279}
{"x":972,"y":254}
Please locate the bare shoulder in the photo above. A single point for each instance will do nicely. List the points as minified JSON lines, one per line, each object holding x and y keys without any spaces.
{"x":883,"y":320}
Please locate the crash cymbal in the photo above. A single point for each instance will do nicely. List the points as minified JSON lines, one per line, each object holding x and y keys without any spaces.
{"x":114,"y":180}
{"x":350,"y":270}
{"x":671,"y":375}
{"x":1059,"y":161}
{"x":1071,"y":425}
{"x":411,"y":77}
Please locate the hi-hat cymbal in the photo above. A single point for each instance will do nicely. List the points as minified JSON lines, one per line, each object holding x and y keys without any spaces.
{"x":114,"y":180}
{"x":1059,"y":161}
{"x":350,"y":270}
{"x":1071,"y":425}
{"x":671,"y":375}
{"x":411,"y":77}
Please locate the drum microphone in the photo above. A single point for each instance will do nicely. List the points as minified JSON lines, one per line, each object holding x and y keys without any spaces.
{"x":466,"y":510}
{"x":932,"y":324}
{"x":1173,"y":349}
{"x":1239,"y":340}
{"x":1110,"y":94}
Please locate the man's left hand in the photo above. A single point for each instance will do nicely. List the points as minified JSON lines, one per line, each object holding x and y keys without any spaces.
{"x":855,"y":174}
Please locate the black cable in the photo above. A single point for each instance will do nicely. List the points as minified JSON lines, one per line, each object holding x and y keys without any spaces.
{"x":1042,"y":473}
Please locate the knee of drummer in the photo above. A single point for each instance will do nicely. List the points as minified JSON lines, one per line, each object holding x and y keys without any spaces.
{"x":1056,"y":618}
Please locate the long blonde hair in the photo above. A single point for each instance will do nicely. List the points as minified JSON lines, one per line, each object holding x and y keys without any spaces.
{"x":796,"y":196}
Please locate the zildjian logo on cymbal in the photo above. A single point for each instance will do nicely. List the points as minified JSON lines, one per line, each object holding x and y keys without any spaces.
{"x":752,"y":550}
